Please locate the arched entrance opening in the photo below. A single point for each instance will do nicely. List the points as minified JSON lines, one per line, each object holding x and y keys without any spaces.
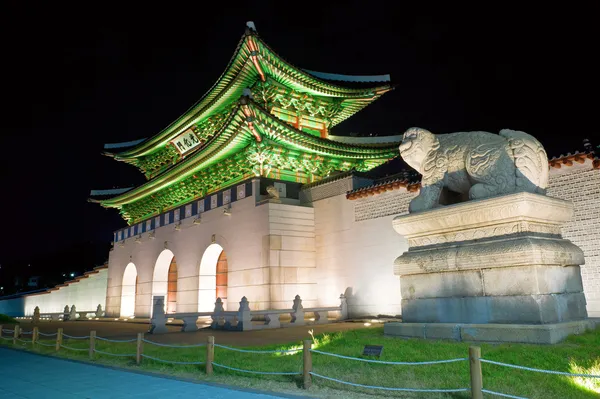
{"x":164,"y":280}
{"x":212,"y":278}
{"x":128,"y":291}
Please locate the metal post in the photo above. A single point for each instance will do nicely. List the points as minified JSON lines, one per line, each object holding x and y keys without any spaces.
{"x":210,"y":354}
{"x":307,"y":364}
{"x":476,"y":377}
{"x":35,"y":335}
{"x":59,"y":338}
{"x":92,"y":344}
{"x":139,"y":348}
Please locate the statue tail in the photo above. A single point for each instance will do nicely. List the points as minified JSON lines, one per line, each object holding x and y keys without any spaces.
{"x":530,"y":159}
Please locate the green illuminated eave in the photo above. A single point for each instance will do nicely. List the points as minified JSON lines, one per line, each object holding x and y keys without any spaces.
{"x":236,"y":135}
{"x":241,"y":72}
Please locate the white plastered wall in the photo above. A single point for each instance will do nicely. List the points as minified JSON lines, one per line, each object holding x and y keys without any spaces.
{"x":86,"y":294}
{"x":356,"y":248}
{"x":241,"y":236}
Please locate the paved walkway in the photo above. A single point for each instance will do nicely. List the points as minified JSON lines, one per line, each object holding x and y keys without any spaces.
{"x":25,"y":375}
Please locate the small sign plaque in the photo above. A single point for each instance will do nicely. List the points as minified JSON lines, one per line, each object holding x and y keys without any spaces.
{"x":373,"y":350}
{"x":186,"y":141}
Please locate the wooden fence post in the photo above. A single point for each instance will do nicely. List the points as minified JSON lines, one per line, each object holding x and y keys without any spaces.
{"x":92,"y":344}
{"x":16,"y":334}
{"x":307,"y":364}
{"x":59,"y":339}
{"x":139,"y":348}
{"x":210,"y":354}
{"x":476,"y":377}
{"x":35,"y":335}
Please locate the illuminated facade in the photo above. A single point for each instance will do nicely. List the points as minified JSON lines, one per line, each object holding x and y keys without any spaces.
{"x":250,"y":194}
{"x":208,"y":205}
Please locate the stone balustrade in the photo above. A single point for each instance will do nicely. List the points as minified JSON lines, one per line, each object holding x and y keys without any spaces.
{"x":242,"y":319}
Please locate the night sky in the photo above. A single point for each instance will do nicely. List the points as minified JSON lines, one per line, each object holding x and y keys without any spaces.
{"x":75,"y":78}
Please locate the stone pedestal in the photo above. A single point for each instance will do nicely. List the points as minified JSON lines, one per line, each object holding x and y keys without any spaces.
{"x":500,"y":260}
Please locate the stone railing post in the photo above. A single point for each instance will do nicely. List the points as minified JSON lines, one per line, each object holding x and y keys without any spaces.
{"x":210,"y":354}
{"x":99,"y":311}
{"x":343,"y":307}
{"x":244,"y":316}
{"x":59,"y":338}
{"x":307,"y":364}
{"x":217,"y":314}
{"x":36,"y":314}
{"x":159,"y":319}
{"x":73,"y":313}
{"x":297,"y":311}
{"x":476,"y":377}
{"x":66,"y":313}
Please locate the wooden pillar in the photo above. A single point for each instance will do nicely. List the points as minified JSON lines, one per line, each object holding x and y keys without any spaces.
{"x":16,"y":334}
{"x":139,"y":348}
{"x":35,"y":335}
{"x":92,"y":344}
{"x":59,"y":338}
{"x":476,"y":377}
{"x":210,"y":354}
{"x":307,"y":364}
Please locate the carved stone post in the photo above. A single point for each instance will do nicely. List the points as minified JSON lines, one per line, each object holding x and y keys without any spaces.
{"x":66,"y":313}
{"x":244,"y":317}
{"x":36,"y":314}
{"x":159,"y":319}
{"x":99,"y":311}
{"x":343,"y":307}
{"x":297,"y":311}
{"x":73,"y":313}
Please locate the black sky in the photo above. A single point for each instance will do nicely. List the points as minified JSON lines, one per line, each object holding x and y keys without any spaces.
{"x":76,"y":77}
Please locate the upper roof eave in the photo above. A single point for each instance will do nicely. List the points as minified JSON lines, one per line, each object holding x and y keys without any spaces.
{"x":196,"y":112}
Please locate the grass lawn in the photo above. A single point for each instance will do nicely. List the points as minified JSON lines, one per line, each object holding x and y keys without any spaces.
{"x":578,"y":354}
{"x":4,"y":319}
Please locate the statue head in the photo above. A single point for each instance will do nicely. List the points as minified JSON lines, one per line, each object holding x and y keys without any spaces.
{"x":416,"y":143}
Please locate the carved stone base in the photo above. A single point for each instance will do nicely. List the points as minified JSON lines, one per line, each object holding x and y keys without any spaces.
{"x":521,"y":333}
{"x":498,"y":260}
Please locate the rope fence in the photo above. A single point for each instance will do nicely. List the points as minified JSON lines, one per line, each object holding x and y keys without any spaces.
{"x":170,"y":361}
{"x":392,"y":363}
{"x":475,"y":360}
{"x":256,"y":372}
{"x":116,"y":340}
{"x":257,"y":351}
{"x":514,"y":366}
{"x":389,"y":388}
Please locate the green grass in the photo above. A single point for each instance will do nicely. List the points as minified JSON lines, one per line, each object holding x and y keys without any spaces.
{"x":578,"y":354}
{"x":4,"y":319}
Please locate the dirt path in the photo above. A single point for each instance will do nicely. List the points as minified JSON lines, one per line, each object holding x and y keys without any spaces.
{"x":122,"y":330}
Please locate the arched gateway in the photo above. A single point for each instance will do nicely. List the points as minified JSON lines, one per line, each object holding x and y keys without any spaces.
{"x":164,"y":279}
{"x":128,"y":291}
{"x":212,"y":278}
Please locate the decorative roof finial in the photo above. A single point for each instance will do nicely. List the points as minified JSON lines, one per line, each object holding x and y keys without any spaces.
{"x":250,"y":25}
{"x":588,"y":147}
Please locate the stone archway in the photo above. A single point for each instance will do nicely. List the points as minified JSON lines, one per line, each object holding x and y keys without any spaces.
{"x":164,"y":280}
{"x":128,"y":291}
{"x":212,"y":278}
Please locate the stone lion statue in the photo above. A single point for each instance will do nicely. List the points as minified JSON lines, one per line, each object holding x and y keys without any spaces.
{"x":465,"y":166}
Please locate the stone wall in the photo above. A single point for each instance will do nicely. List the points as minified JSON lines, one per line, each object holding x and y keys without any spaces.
{"x":580,"y":183}
{"x":85,"y":294}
